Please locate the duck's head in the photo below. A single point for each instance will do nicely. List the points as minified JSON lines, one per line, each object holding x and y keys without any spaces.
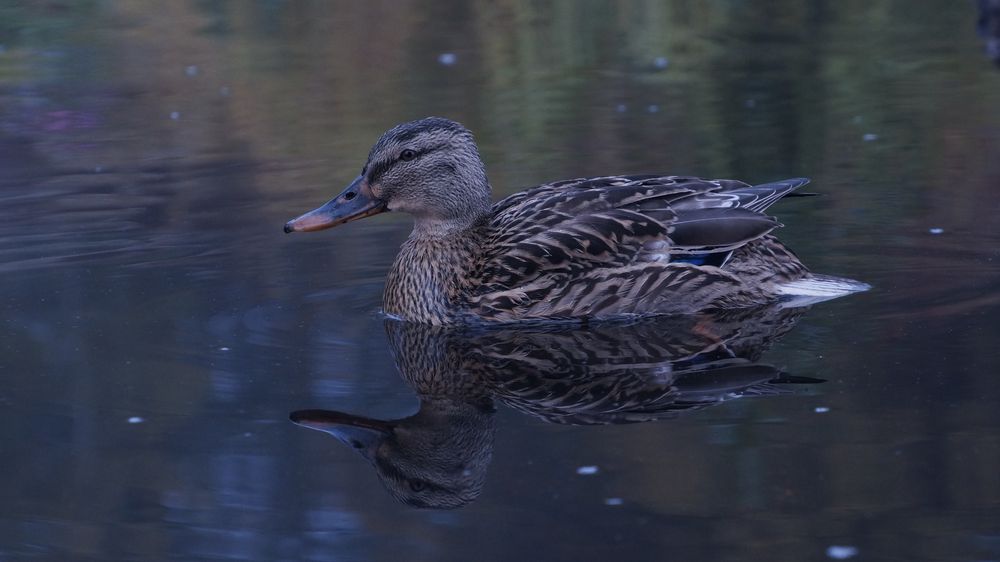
{"x":428,"y":168}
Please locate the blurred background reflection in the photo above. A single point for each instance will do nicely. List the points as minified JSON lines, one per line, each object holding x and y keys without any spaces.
{"x":157,"y":327}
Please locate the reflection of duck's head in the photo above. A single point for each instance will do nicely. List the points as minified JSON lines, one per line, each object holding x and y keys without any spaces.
{"x":435,"y":458}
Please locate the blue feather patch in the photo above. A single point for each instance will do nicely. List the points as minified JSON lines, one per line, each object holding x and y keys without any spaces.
{"x":706,"y":258}
{"x":693,"y":259}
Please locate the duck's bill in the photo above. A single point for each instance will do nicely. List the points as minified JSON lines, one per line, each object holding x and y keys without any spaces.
{"x":356,"y":202}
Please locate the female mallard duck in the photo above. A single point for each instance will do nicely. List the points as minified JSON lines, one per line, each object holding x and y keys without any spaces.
{"x":590,"y":248}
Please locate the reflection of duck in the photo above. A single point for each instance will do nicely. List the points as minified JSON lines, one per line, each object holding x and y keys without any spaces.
{"x":584,"y":248}
{"x":638,"y":372}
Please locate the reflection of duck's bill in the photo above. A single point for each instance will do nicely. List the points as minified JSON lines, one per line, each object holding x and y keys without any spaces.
{"x":358,"y":432}
{"x":817,"y":288}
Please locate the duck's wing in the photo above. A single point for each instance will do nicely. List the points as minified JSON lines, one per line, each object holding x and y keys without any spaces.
{"x":629,"y":238}
{"x":732,"y":194}
{"x":716,"y":220}
{"x":702,"y":193}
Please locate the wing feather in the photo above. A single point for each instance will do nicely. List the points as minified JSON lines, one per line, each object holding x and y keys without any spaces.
{"x":603,"y":246}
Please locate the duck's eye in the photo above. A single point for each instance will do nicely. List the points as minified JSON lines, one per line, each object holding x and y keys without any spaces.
{"x":417,"y":485}
{"x":407,"y":155}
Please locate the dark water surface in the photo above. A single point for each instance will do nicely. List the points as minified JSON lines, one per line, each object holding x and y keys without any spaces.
{"x":157,"y":328}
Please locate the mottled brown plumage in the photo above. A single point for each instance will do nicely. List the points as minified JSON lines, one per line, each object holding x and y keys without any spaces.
{"x":589,"y":248}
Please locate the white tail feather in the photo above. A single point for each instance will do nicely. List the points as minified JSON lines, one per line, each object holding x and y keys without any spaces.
{"x":817,"y":288}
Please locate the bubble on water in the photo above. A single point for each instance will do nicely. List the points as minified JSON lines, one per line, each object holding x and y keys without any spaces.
{"x":223,"y":348}
{"x":447,"y":59}
{"x":869,"y":137}
{"x":621,"y":108}
{"x":936,"y":230}
{"x":661,"y":62}
{"x":175,"y":115}
{"x":191,"y":70}
{"x":587,"y":470}
{"x":839,"y":552}
{"x":653,"y":108}
{"x":821,"y":409}
{"x":136,"y":419}
{"x":613,"y":501}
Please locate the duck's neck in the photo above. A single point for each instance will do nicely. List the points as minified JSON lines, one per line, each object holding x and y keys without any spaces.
{"x":427,"y":278}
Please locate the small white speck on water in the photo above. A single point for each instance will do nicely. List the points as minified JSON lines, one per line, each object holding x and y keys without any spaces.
{"x":175,"y":115}
{"x":223,"y":348}
{"x":869,"y":137}
{"x":821,"y":409}
{"x":248,"y":434}
{"x":839,"y":552}
{"x":622,"y":108}
{"x":98,"y":169}
{"x":936,"y":230}
{"x":750,"y":103}
{"x":191,"y":70}
{"x":653,"y":108}
{"x":447,"y":59}
{"x":224,"y":91}
{"x":587,"y":470}
{"x":136,"y":419}
{"x":613,"y":501}
{"x":661,"y":62}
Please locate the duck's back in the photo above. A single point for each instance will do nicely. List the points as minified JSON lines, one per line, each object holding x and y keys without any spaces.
{"x":620,"y":245}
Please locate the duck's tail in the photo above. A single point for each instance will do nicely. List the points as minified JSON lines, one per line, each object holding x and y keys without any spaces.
{"x":817,"y":288}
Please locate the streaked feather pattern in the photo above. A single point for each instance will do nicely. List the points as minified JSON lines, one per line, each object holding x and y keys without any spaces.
{"x":582,"y":249}
{"x":615,"y":245}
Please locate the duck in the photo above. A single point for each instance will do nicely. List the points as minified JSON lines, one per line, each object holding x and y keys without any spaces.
{"x":584,"y":249}
{"x":651,"y":370}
